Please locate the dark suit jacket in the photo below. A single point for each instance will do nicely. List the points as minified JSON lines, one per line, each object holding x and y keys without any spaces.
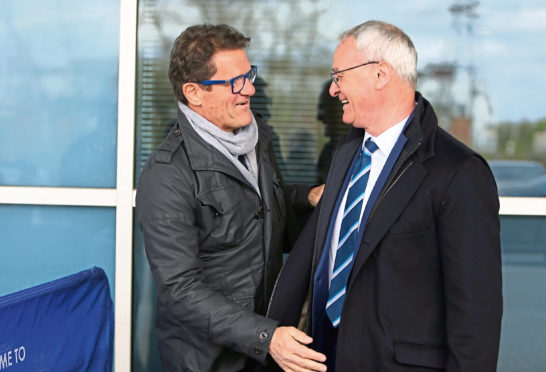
{"x":425,"y":291}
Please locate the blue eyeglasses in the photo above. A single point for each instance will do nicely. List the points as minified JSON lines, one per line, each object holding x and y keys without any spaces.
{"x":237,"y":83}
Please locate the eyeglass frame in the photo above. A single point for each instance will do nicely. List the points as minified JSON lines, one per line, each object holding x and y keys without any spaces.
{"x":253,"y":69}
{"x":333,"y":73}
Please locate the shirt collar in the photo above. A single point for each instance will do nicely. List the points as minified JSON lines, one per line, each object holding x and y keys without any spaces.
{"x":386,"y":140}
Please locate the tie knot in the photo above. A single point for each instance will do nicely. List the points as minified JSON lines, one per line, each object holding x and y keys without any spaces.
{"x":370,"y":145}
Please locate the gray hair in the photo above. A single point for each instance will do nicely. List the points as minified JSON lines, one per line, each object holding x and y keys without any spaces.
{"x":381,"y":41}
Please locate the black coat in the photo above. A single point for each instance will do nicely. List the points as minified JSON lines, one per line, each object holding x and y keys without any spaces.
{"x":425,"y":291}
{"x":215,"y":249}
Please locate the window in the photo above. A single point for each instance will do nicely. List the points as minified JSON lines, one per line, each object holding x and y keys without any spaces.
{"x":467,"y":69}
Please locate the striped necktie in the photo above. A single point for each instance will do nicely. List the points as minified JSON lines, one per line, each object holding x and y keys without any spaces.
{"x":348,"y":232}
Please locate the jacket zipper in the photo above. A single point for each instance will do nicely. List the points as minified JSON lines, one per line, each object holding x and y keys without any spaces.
{"x":398,"y":176}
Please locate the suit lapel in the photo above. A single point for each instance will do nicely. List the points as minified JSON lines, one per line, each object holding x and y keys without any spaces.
{"x":339,"y":167}
{"x":391,"y":206}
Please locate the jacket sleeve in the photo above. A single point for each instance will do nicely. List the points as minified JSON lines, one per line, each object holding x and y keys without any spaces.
{"x":165,"y":209}
{"x":469,"y":239}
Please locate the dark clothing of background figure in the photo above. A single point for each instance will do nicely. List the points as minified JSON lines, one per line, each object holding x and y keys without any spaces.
{"x":215,"y":249}
{"x":425,"y":291}
{"x":298,"y":193}
{"x":330,"y":113}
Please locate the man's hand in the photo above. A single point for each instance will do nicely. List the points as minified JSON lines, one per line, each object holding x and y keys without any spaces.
{"x":288,"y":349}
{"x":314,"y":195}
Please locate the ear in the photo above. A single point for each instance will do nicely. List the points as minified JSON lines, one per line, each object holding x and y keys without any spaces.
{"x":384,"y":74}
{"x":192,"y":93}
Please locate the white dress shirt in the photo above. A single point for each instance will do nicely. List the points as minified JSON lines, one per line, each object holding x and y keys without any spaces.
{"x":385,"y":143}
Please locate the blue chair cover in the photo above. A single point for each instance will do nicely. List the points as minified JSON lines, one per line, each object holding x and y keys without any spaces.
{"x":63,"y":325}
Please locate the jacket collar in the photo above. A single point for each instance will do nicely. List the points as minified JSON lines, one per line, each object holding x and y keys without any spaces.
{"x":202,"y":155}
{"x":421,"y":130}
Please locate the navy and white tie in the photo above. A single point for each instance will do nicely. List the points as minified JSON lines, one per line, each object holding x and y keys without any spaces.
{"x":348,"y":232}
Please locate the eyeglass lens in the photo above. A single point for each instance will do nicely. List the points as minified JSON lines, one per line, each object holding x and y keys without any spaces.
{"x":239,"y":83}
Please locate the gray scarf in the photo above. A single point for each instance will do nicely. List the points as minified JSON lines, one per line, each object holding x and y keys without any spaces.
{"x":231,"y":145}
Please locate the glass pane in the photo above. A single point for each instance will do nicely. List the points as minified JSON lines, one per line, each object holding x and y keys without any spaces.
{"x":58,"y":102}
{"x":460,"y":46}
{"x":42,"y":243}
{"x":524,"y":278}
{"x":145,"y":348}
{"x":470,"y":65}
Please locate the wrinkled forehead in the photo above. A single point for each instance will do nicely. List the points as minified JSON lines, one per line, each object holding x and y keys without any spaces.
{"x":230,"y":63}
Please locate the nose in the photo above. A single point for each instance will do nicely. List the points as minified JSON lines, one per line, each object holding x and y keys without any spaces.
{"x":248,"y":89}
{"x":334,"y":89}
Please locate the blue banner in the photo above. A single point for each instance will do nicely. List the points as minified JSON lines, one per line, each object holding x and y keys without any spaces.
{"x":63,"y":325}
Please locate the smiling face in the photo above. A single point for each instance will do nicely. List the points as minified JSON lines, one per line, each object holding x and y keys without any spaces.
{"x":219,"y":105}
{"x":356,"y":87}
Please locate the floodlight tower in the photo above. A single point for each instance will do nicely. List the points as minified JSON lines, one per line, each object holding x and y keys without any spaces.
{"x":465,"y":14}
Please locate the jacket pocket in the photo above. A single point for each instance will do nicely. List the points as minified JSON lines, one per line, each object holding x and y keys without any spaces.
{"x":245,"y":301}
{"x":220,"y":219}
{"x":423,"y":355}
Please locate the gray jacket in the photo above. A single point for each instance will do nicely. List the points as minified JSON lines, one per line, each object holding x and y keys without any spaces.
{"x":215,"y":250}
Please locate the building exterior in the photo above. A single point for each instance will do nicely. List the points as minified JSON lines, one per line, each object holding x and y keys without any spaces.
{"x":85,"y":99}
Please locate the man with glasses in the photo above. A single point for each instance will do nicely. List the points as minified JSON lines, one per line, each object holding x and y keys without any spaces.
{"x":212,"y":210}
{"x":401,"y":257}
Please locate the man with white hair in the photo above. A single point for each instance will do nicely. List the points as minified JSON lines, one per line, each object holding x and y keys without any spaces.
{"x":401,"y":257}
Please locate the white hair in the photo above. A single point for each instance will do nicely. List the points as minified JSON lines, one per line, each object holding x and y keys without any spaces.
{"x":380,"y":41}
